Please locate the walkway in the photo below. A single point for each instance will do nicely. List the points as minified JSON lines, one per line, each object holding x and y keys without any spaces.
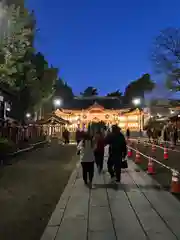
{"x":138,"y":209}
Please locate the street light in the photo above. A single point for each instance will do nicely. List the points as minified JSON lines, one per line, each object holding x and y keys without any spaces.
{"x":57,"y":102}
{"x":137,"y":102}
{"x":28,"y":115}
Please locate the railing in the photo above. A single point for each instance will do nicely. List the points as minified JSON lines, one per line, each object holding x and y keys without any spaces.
{"x":167,"y":144}
{"x":175,"y":180}
{"x":21,"y":133}
{"x":154,"y":160}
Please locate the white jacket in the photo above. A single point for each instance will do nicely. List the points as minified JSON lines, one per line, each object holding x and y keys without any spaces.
{"x":86,"y":152}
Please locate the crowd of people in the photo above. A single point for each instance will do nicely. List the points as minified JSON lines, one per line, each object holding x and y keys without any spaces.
{"x":90,"y":148}
{"x":168,"y":133}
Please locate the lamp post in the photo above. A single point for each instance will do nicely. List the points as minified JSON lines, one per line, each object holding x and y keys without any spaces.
{"x":57,"y":102}
{"x":28,"y":115}
{"x":137,"y":102}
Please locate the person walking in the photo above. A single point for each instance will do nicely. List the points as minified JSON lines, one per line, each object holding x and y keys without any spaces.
{"x":99,"y":150}
{"x":66,"y":136}
{"x":79,"y":134}
{"x":127,"y":133}
{"x":117,"y":151}
{"x":175,"y":135}
{"x":149,"y":134}
{"x":165,"y":134}
{"x":85,"y":149}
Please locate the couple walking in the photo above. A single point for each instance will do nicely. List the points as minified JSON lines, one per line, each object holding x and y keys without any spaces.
{"x":91,"y":150}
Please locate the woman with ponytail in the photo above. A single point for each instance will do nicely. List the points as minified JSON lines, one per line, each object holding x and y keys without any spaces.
{"x":86,"y":152}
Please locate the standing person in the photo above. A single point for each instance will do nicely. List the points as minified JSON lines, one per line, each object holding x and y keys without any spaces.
{"x":175,"y":135}
{"x":99,"y":151}
{"x":165,"y":134}
{"x":149,"y":134}
{"x":127,"y":133}
{"x":86,"y":152}
{"x":78,"y":136}
{"x":117,"y":151}
{"x":66,"y":136}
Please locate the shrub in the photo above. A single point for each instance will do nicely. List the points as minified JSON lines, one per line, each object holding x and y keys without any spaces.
{"x":6,"y":147}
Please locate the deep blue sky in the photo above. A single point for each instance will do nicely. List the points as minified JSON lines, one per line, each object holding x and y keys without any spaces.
{"x":102,"y":43}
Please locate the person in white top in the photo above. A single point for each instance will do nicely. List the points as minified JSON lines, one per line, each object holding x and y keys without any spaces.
{"x":86,"y":152}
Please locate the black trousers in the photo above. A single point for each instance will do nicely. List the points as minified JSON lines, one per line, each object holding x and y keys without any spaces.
{"x":66,"y":140}
{"x":114,"y":168}
{"x":87,"y":171}
{"x":99,"y":158}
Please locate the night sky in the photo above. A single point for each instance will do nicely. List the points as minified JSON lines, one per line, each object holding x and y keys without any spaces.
{"x":101,"y":43}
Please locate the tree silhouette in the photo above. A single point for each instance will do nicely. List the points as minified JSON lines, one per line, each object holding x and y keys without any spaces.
{"x":116,"y":93}
{"x":138,"y":88}
{"x":89,"y":91}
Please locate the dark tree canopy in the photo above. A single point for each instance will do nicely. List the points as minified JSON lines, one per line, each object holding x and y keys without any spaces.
{"x":89,"y":91}
{"x":63,"y":90}
{"x":24,"y":70}
{"x":116,"y":93}
{"x":138,"y":88}
{"x":16,"y":2}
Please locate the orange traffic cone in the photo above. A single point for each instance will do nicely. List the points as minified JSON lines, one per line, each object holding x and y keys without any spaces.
{"x":153,"y":147}
{"x":175,"y":183}
{"x":165,"y":153}
{"x":150,"y":169}
{"x":129,"y":152}
{"x":138,"y":157}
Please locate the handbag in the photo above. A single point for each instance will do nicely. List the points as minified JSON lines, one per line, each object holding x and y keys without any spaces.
{"x":124,"y":163}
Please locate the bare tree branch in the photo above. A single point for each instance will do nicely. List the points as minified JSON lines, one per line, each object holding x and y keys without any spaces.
{"x":166,"y":55}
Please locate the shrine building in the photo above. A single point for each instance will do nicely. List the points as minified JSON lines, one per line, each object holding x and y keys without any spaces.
{"x":80,"y":112}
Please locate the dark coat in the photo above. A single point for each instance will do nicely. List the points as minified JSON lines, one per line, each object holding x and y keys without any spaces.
{"x":117,"y":146}
{"x":128,"y":133}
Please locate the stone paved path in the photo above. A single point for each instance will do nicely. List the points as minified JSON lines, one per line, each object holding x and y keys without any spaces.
{"x":137,"y":209}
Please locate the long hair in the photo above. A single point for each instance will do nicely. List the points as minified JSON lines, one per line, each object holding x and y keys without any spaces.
{"x":115,"y":129}
{"x":87,"y":139}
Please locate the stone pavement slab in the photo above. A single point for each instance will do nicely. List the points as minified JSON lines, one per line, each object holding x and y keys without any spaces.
{"x":136,"y":209}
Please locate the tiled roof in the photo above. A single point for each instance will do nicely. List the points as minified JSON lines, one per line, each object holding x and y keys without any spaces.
{"x":53,"y":119}
{"x":86,"y":103}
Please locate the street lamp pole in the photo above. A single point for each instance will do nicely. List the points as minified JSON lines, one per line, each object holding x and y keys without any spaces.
{"x":140,"y":129}
{"x":137,"y":102}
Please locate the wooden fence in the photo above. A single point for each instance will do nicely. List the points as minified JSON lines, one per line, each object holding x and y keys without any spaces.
{"x":21,"y":133}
